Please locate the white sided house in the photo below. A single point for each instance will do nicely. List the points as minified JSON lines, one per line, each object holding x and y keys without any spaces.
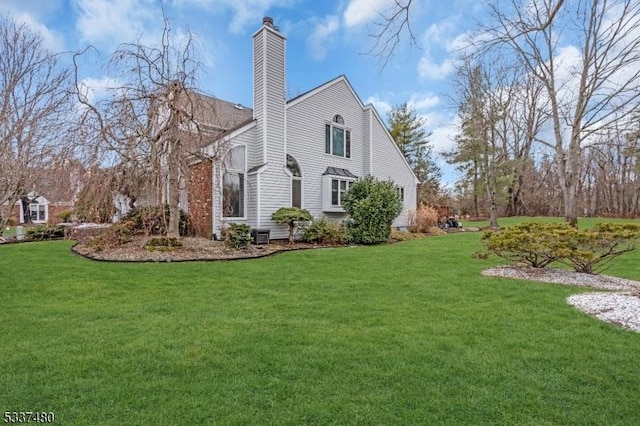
{"x":304,"y":152}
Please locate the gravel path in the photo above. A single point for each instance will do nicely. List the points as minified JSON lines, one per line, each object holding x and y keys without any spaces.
{"x":620,"y":307}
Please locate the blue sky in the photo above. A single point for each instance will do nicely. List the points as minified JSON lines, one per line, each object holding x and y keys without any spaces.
{"x":324,"y":39}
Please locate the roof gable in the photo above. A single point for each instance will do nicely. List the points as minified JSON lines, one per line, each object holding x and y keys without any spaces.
{"x":342,"y":78}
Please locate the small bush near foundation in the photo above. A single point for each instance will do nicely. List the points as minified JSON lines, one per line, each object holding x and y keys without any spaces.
{"x":372,"y":206}
{"x":322,"y":231}
{"x":117,"y":235}
{"x":237,"y":235}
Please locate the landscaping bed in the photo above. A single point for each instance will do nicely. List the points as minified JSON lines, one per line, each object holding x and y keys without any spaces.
{"x":192,"y":249}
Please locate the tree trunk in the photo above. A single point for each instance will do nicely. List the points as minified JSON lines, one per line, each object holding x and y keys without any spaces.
{"x":173,"y":197}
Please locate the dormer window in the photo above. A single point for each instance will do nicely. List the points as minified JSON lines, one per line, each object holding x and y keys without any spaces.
{"x":337,"y":138}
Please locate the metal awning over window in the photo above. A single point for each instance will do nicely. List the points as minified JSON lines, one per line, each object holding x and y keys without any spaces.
{"x":336,"y":171}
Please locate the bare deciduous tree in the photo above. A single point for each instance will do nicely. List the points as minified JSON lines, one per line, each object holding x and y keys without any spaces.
{"x":34,"y":108}
{"x":586,"y":56}
{"x":588,"y":92}
{"x":152,"y":123}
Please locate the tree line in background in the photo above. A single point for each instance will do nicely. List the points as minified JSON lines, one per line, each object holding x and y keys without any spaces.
{"x":545,"y":129}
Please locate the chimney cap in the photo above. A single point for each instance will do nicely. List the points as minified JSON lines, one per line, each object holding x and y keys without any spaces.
{"x":268,"y":21}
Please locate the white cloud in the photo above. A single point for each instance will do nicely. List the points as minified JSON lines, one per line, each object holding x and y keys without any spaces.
{"x":96,"y":89}
{"x":381,"y":106}
{"x":321,"y":36}
{"x":50,"y":39}
{"x":438,"y":32}
{"x":246,"y":13}
{"x":423,"y":101}
{"x":103,"y":21}
{"x":360,"y":12}
{"x":430,"y":70}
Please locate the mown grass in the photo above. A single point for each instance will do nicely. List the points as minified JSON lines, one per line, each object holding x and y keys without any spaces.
{"x":9,"y":231}
{"x":408,"y":333}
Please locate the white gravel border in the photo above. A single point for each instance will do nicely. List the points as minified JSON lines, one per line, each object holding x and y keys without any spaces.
{"x":621,"y":308}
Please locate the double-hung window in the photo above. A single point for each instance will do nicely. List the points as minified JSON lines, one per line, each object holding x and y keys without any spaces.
{"x":337,"y":138}
{"x":233,"y":183}
{"x":37,"y":212}
{"x":338,"y":188}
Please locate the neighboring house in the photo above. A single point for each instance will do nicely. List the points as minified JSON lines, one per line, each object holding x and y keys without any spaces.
{"x":56,"y":193}
{"x":304,"y":152}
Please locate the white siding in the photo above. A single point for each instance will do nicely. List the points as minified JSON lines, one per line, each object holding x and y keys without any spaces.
{"x":388,"y":163}
{"x":373,"y":151}
{"x":305,"y":139}
{"x":269,"y":111}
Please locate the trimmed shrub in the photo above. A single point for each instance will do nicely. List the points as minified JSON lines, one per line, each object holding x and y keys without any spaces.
{"x":532,"y":243}
{"x":372,"y":206}
{"x":44,"y":232}
{"x":237,"y":235}
{"x":422,"y":219}
{"x":539,"y":244}
{"x":292,"y":217}
{"x":322,"y":231}
{"x":589,"y":251}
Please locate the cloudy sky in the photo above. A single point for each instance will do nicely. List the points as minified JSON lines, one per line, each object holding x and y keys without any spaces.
{"x":324,"y":39}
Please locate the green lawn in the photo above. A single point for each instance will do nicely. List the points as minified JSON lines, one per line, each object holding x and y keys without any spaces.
{"x":9,"y":231}
{"x":408,"y":333}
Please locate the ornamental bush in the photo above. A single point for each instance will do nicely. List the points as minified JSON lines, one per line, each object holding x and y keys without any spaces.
{"x":372,"y":206}
{"x":539,"y":244}
{"x":322,"y":231}
{"x":530,"y":243}
{"x":292,"y":217}
{"x":589,"y":251}
{"x":237,"y":235}
{"x":44,"y":232}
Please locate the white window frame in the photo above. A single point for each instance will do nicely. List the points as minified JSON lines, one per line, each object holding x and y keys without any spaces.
{"x":235,"y":171}
{"x":400,"y":191}
{"x":346,"y":137}
{"x":327,"y":196}
{"x":295,"y":178}
{"x":43,"y":206}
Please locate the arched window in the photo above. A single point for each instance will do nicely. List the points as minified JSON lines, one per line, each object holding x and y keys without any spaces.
{"x":233,"y":183}
{"x":337,"y":138}
{"x":296,"y":181}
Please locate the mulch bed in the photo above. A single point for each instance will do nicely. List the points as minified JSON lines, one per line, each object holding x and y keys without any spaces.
{"x":192,"y":249}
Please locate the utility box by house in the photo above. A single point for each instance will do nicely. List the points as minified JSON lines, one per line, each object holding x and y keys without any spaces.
{"x":260,"y":236}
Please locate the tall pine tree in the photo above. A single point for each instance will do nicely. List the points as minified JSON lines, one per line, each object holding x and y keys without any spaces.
{"x":407,"y":129}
